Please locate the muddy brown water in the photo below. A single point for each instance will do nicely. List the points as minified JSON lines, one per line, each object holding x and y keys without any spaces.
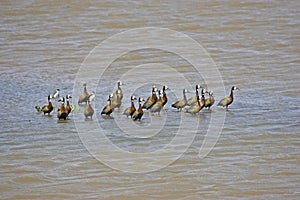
{"x":255,"y":46}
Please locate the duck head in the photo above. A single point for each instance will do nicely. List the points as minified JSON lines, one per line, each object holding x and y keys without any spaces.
{"x":165,"y":88}
{"x":141,"y":99}
{"x":132,"y":98}
{"x":235,"y":88}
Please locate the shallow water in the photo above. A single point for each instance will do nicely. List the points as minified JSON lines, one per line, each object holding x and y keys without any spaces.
{"x":255,"y":46}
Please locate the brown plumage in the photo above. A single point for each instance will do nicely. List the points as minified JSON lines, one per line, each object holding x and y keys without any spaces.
{"x":193,"y":100}
{"x":209,"y":101}
{"x":118,"y":92}
{"x":181,"y":103}
{"x":116,"y":101}
{"x":85,"y":95}
{"x":225,"y":102}
{"x":137,"y":115}
{"x":108,"y":109}
{"x":151,"y":100}
{"x":130,"y":110}
{"x":200,"y":104}
{"x":159,"y":104}
{"x":68,"y":107}
{"x":89,"y":111}
{"x":48,"y":108}
{"x":164,"y":97}
{"x":62,"y":112}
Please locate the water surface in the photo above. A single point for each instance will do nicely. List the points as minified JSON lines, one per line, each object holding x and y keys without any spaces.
{"x":255,"y":45}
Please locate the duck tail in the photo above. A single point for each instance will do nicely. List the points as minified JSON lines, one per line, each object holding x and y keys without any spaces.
{"x":38,"y":108}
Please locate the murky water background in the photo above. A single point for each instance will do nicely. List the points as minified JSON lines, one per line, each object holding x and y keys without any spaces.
{"x":255,"y":45}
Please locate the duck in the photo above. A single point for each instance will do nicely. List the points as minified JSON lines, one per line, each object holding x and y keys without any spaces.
{"x":137,"y":115}
{"x":118,"y":92}
{"x":85,"y":95}
{"x":164,"y":97}
{"x":181,"y":103}
{"x":62,"y":112}
{"x":48,"y":108}
{"x":108,"y":109}
{"x":68,"y":107}
{"x":89,"y":111}
{"x":209,"y":101}
{"x":116,"y":100}
{"x":56,"y":94}
{"x":225,"y":102}
{"x":193,"y":100}
{"x":151,"y":100}
{"x":130,"y":110}
{"x":200,"y":104}
{"x":159,"y":103}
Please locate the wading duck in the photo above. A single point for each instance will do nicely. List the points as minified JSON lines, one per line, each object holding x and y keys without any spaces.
{"x":164,"y":97}
{"x":228,"y":100}
{"x":181,"y":103}
{"x":118,"y":92}
{"x":68,"y":107}
{"x":62,"y":112}
{"x":89,"y":111}
{"x":85,"y":95}
{"x":130,"y":110}
{"x":199,"y":105}
{"x":137,"y":115}
{"x":116,"y":101}
{"x":151,"y":100}
{"x":108,"y":109}
{"x":48,"y":108}
{"x":209,"y":101}
{"x":193,"y":100}
{"x":159,"y":103}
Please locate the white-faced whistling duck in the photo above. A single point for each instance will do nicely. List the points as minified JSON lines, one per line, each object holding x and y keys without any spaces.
{"x":85,"y":95}
{"x":89,"y":111}
{"x":159,"y":103}
{"x":137,"y":115}
{"x":130,"y":110}
{"x":209,"y":101}
{"x":151,"y":100}
{"x":200,"y":104}
{"x":56,"y":94}
{"x":228,"y":100}
{"x":193,"y":100}
{"x":108,"y":109}
{"x":62,"y":112}
{"x":118,"y":92}
{"x":164,"y":97}
{"x":48,"y":108}
{"x":68,"y":107}
{"x":116,"y":101}
{"x":181,"y":103}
